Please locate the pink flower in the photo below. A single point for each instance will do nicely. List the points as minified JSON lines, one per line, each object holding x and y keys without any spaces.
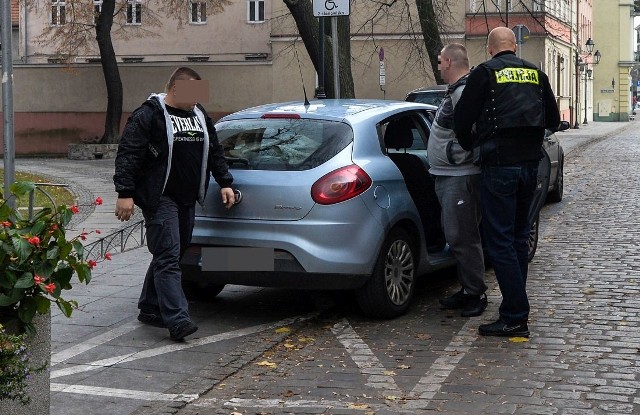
{"x":98,"y":201}
{"x":98,"y":231}
{"x":92,"y":263}
{"x":54,"y":227}
{"x":107,"y":256}
{"x":74,"y":209}
{"x":34,"y":240}
{"x":6,"y":224}
{"x":83,"y":236}
{"x":50,"y":287}
{"x":38,"y":279}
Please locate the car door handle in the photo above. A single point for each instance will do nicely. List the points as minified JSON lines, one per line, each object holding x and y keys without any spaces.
{"x":238,"y":194}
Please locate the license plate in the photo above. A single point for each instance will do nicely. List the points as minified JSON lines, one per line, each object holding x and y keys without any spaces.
{"x":237,"y":259}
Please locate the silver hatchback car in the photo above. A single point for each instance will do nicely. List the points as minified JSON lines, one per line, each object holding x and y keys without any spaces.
{"x":334,"y":194}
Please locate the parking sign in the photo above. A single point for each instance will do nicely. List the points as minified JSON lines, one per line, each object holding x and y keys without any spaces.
{"x":327,"y":8}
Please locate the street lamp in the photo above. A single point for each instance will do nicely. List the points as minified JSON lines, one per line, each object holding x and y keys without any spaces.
{"x":587,"y":75}
{"x":590,"y":44}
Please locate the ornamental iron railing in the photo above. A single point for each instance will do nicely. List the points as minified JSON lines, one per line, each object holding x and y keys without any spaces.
{"x":125,"y":239}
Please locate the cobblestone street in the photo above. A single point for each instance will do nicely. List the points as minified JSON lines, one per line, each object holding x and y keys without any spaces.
{"x":583,"y":356}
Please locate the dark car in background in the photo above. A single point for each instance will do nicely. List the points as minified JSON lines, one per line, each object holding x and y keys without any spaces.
{"x":432,"y":95}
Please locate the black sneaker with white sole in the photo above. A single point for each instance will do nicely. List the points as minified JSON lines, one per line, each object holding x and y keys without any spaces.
{"x":504,"y":329}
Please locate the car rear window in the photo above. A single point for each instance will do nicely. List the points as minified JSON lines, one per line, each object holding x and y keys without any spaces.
{"x":281,"y":143}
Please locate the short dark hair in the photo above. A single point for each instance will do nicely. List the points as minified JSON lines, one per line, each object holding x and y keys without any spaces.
{"x":457,"y":53}
{"x":181,"y":74}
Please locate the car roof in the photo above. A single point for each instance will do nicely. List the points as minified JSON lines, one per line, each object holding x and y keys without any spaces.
{"x":441,"y":87}
{"x":328,"y":109}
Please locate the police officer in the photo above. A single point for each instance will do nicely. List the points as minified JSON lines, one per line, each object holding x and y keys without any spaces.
{"x":504,"y":110}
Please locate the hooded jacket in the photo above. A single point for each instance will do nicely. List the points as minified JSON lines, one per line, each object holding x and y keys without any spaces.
{"x":143,"y":161}
{"x":446,"y":157}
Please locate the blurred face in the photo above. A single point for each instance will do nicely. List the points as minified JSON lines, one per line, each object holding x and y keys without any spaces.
{"x":444,"y":66}
{"x":187,"y":93}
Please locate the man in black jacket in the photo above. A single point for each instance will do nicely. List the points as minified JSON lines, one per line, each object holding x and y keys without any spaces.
{"x":503,"y":111}
{"x":166,"y":153}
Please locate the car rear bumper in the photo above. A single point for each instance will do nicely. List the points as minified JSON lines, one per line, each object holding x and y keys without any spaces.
{"x":287,"y":273}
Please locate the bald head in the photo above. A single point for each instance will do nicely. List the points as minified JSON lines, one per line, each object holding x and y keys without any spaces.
{"x":501,"y":39}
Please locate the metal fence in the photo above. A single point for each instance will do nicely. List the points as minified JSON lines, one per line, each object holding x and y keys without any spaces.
{"x":125,"y":239}
{"x":130,"y":237}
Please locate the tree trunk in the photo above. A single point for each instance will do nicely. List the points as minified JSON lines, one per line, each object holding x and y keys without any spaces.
{"x":111,"y":74}
{"x":347,"y":89}
{"x":308,"y":27}
{"x":431,"y":34}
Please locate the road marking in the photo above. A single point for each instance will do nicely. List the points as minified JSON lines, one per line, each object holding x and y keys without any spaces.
{"x":364,"y":357}
{"x":130,"y":357}
{"x":122,"y":393}
{"x":306,"y":404}
{"x":92,"y":343}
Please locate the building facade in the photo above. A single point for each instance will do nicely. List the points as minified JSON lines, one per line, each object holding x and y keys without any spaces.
{"x":613,"y":96}
{"x":251,"y":53}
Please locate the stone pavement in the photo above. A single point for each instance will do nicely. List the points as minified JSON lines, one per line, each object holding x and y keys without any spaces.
{"x":583,"y":357}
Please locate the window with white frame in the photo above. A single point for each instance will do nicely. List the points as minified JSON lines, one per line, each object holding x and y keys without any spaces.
{"x":198,"y":12}
{"x":97,"y":9}
{"x":58,"y":12}
{"x":536,"y":5}
{"x":255,"y":11}
{"x":134,"y":11}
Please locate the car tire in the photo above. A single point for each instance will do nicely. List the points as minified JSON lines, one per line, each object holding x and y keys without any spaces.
{"x":201,"y":292}
{"x":555,"y":195}
{"x":389,"y":290}
{"x":533,"y":237}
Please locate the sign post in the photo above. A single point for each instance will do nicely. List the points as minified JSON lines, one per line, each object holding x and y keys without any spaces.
{"x":383,"y":75}
{"x":522,"y":34}
{"x":333,"y":9}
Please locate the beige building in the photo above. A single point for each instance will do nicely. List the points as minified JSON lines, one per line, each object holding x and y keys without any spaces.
{"x":612,"y":81}
{"x":251,"y":54}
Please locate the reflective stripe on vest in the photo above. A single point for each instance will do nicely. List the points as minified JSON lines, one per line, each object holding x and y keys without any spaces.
{"x":517,"y":75}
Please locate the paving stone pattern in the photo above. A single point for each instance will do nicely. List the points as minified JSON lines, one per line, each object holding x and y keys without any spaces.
{"x":583,"y":356}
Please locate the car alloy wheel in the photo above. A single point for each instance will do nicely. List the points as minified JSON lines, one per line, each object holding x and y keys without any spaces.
{"x":388,"y":292}
{"x":555,"y":195}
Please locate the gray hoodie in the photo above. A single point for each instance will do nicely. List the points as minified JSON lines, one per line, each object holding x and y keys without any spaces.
{"x":446,"y":157}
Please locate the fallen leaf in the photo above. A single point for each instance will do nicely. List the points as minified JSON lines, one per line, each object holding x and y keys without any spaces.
{"x":518,"y":339}
{"x":306,"y":339}
{"x":391,"y":398}
{"x":423,"y":336}
{"x":289,"y":345}
{"x":589,"y":291}
{"x":266,"y":363}
{"x":283,"y":330}
{"x":403,"y":367}
{"x":389,"y":373}
{"x":289,"y":394}
{"x":358,"y":406}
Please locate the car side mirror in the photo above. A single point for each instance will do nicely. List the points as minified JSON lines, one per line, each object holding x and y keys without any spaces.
{"x":564,"y":125}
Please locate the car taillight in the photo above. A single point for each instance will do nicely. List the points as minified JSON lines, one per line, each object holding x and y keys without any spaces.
{"x":340,"y":185}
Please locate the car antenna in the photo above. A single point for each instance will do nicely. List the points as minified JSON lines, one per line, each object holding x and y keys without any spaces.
{"x":304,"y":91}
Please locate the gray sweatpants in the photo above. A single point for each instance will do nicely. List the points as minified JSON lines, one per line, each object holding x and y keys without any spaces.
{"x":459,"y":197}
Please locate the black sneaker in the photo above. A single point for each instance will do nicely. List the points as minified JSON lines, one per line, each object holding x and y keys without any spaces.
{"x":500,"y":328}
{"x":474,"y":305}
{"x":151,"y":319}
{"x":453,"y":301}
{"x":182,"y":330}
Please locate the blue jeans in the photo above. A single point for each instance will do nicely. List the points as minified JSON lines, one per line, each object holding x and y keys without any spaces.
{"x":169,"y":231}
{"x":507,"y":195}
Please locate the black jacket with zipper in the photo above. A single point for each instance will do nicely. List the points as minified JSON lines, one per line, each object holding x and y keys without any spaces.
{"x":143,"y":158}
